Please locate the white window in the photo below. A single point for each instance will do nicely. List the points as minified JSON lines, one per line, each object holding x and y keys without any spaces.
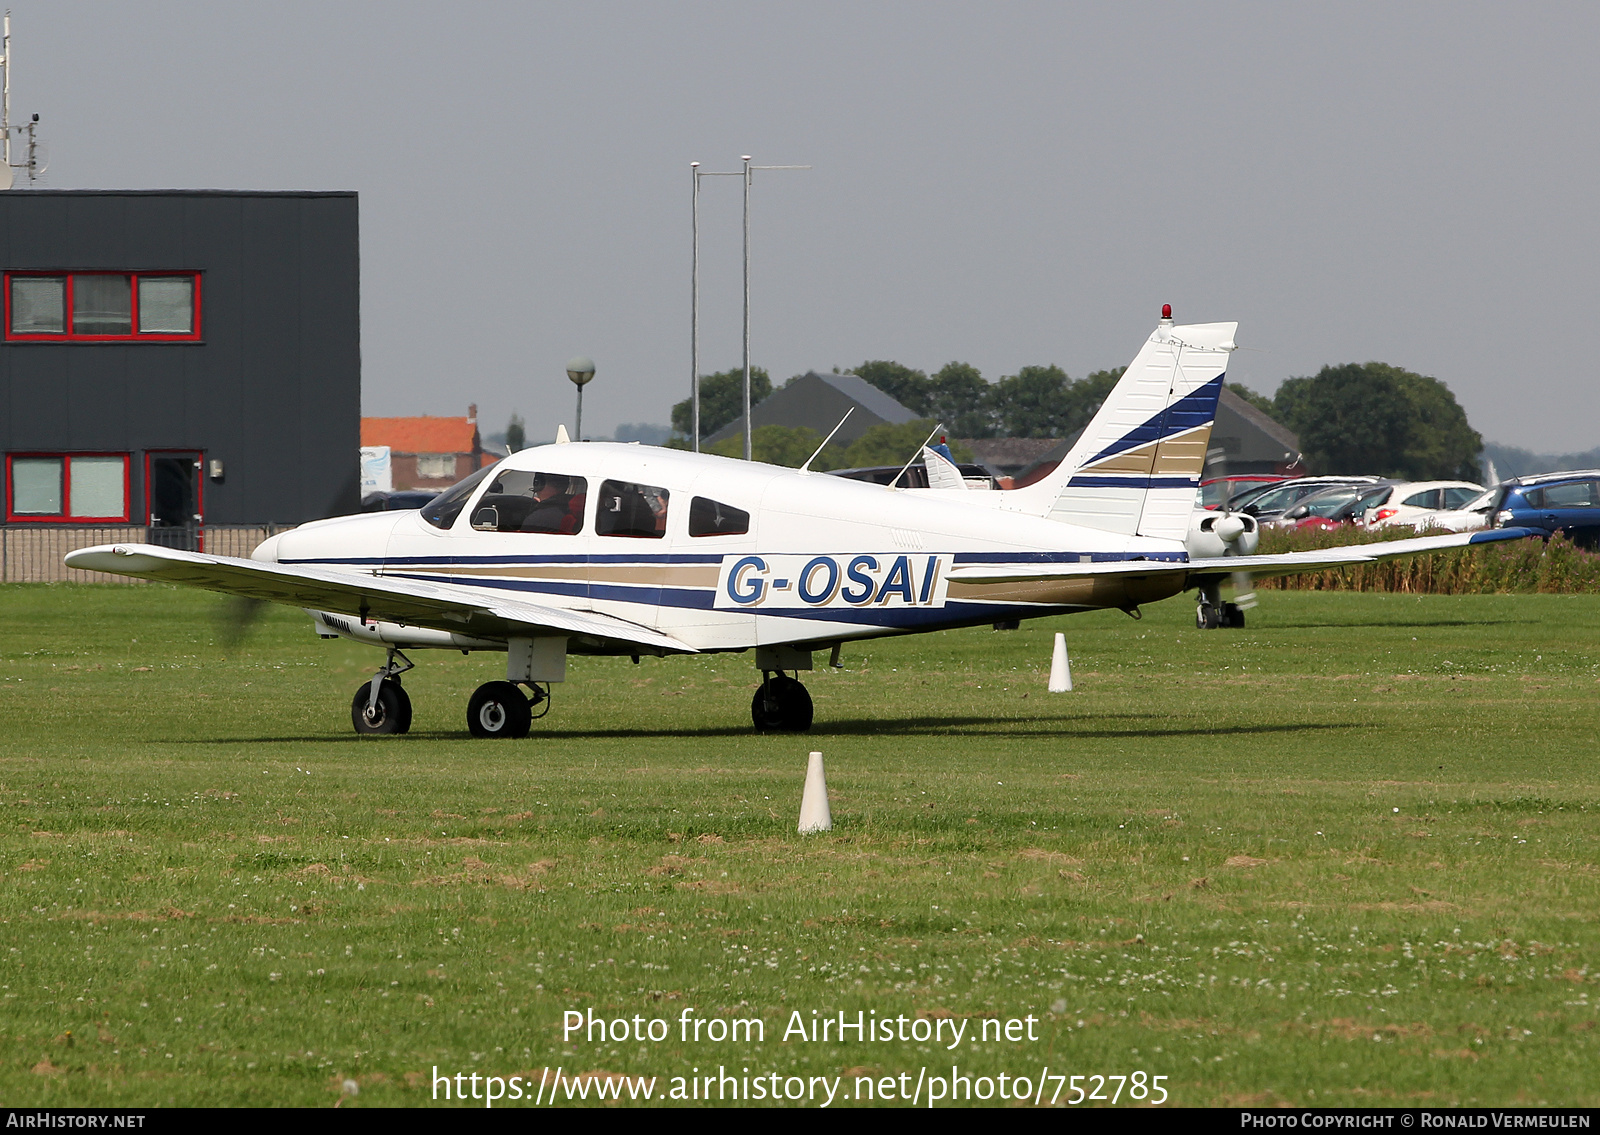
{"x":436,"y":465}
{"x":67,"y":487}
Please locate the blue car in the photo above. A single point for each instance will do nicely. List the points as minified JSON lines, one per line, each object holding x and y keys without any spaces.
{"x":1553,"y":502}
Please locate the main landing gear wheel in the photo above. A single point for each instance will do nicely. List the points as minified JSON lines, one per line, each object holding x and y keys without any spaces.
{"x":390,"y":714}
{"x":781,"y":705}
{"x":1208,"y":617}
{"x":499,"y":709}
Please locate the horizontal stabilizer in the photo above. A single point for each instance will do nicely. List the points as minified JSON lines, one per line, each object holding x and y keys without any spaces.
{"x":1289,"y":563}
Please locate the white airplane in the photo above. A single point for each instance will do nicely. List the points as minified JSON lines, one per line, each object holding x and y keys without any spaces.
{"x":630,"y":550}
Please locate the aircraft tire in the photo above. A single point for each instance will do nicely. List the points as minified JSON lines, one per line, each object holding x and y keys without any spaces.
{"x":391,"y":715}
{"x":781,"y":705}
{"x":1207,"y":617}
{"x":498,"y":709}
{"x":1232,"y":617}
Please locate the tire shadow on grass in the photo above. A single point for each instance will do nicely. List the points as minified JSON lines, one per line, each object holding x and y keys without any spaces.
{"x":876,"y":726}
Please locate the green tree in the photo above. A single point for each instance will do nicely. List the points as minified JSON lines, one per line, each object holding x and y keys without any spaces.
{"x":516,"y":434}
{"x":1086,"y":396}
{"x":721,"y":401}
{"x":1377,"y":418}
{"x":1032,"y":403}
{"x":891,"y":445}
{"x":960,"y":398}
{"x":782,"y":445}
{"x":908,"y":387}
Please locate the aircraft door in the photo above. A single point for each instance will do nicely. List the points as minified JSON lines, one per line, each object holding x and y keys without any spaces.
{"x":628,"y":561}
{"x":172,"y":492}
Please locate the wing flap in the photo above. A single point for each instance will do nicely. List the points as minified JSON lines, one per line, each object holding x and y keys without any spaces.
{"x":365,"y":596}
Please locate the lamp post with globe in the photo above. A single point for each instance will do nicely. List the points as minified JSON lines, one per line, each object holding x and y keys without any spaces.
{"x":581,"y":371}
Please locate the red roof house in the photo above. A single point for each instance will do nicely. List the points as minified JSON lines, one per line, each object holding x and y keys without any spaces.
{"x":428,"y":452}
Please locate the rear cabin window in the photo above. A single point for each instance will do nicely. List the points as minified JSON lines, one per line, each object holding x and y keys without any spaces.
{"x":713,"y":518}
{"x":1576,"y":494}
{"x":519,"y":500}
{"x":442,"y":510}
{"x":627,"y":509}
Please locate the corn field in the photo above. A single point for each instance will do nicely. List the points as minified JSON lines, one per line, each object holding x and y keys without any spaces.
{"x":1556,"y":566}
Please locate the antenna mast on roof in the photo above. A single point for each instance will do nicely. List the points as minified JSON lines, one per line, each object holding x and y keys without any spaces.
{"x":32,"y":163}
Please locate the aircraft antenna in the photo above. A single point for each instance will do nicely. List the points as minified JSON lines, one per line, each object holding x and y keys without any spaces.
{"x":806,"y":468}
{"x":937,"y":427}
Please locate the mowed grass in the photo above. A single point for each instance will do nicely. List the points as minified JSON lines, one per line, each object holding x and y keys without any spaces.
{"x":1346,"y":856}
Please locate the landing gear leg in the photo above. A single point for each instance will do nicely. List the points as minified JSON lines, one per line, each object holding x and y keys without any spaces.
{"x":382,"y":706}
{"x":1208,"y":615}
{"x":781,"y":704}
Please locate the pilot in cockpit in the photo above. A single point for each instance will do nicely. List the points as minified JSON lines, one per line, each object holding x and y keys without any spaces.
{"x":551,"y":498}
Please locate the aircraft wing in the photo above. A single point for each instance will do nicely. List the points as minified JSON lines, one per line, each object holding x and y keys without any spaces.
{"x":404,"y":601}
{"x":1289,"y":563}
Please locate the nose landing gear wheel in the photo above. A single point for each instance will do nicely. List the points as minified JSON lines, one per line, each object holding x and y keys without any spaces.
{"x":391,"y":714}
{"x":781,"y":705}
{"x":498,"y":709}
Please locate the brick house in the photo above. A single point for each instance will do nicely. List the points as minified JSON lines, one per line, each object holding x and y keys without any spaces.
{"x":428,"y":452}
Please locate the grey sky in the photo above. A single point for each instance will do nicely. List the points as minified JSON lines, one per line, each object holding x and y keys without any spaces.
{"x":1001,"y":184}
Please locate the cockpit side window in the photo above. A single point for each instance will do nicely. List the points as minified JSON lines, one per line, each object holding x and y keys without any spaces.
{"x":521,"y":500}
{"x":713,"y":518}
{"x":442,"y":510}
{"x":627,"y":509}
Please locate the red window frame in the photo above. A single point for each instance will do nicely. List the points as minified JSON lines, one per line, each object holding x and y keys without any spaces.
{"x":65,"y":516}
{"x":199,"y":479}
{"x":136,"y":336}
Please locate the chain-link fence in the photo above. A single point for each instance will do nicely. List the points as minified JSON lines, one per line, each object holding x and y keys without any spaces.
{"x":33,"y":553}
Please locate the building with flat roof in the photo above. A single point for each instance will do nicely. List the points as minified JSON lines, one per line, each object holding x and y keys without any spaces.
{"x":176,"y":358}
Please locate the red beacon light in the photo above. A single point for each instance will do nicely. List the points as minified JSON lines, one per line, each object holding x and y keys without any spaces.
{"x":1166,"y":311}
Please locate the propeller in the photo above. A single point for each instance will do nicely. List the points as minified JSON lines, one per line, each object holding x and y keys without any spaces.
{"x":1217,"y":534}
{"x":235,"y":616}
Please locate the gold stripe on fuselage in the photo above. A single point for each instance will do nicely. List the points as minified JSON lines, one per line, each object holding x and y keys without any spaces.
{"x":653,"y":575}
{"x":1083,"y":591}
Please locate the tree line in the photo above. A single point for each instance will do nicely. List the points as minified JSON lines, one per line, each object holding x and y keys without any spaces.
{"x":1352,"y":418}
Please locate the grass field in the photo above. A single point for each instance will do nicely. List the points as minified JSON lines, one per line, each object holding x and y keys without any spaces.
{"x":1347,"y":856}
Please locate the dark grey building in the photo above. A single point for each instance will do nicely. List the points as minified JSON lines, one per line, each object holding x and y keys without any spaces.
{"x":818,"y":401}
{"x":174,"y":357}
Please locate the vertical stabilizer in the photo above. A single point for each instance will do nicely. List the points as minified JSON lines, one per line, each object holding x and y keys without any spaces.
{"x":1137,"y":465}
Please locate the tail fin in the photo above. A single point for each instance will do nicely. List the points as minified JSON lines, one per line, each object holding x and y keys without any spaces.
{"x":1135,"y":468}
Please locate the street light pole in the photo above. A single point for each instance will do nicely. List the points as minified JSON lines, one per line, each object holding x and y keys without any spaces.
{"x":746,"y":160}
{"x":581,"y":371}
{"x":694,"y":314}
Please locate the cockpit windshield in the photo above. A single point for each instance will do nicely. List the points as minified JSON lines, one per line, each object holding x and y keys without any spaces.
{"x":442,"y":510}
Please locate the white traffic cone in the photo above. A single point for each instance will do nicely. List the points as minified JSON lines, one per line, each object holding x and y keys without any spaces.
{"x":814,"y":813}
{"x":1060,"y":667}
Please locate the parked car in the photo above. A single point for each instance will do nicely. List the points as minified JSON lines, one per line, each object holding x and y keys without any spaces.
{"x":1335,"y":507}
{"x":1469,"y":517}
{"x":1218,"y":490}
{"x":1554,"y":502}
{"x":1406,"y":505}
{"x":915,"y":476}
{"x":396,"y":501}
{"x":1271,"y":501}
